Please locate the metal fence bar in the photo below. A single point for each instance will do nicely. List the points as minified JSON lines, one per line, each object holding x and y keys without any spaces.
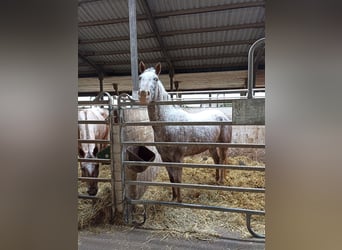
{"x":197,"y":206}
{"x":229,"y":91}
{"x":93,"y":141}
{"x":83,"y":196}
{"x":250,"y":78}
{"x":92,"y":103}
{"x":192,"y":165}
{"x":209,"y":144}
{"x":101,"y":160}
{"x":158,"y":123}
{"x":200,"y":186}
{"x":93,"y":122}
{"x":94,"y":179}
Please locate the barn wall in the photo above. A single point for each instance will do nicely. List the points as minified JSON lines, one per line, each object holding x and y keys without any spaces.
{"x":187,"y":81}
{"x":249,"y":134}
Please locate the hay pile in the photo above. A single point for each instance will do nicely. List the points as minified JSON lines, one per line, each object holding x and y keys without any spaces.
{"x":95,"y":212}
{"x":185,"y":222}
{"x":203,"y":223}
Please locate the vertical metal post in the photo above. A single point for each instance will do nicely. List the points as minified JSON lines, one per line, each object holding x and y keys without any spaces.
{"x":250,"y":66}
{"x":133,"y":46}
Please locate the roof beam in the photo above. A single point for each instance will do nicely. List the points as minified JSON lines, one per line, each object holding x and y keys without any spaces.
{"x":197,"y":68}
{"x":155,"y":29}
{"x":99,"y":70}
{"x":177,"y":47}
{"x":181,"y":58}
{"x":177,"y":32}
{"x":176,"y":13}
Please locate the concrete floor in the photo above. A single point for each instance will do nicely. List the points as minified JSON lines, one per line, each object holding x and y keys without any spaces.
{"x":147,"y":239}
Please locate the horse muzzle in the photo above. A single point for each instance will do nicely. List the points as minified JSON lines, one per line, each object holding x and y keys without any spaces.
{"x":92,"y":191}
{"x":144,"y":96}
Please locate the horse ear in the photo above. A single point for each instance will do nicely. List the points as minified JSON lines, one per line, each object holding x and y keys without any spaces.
{"x":141,"y":67}
{"x":158,"y":68}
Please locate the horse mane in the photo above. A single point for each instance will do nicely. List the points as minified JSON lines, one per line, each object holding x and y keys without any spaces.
{"x":160,"y":90}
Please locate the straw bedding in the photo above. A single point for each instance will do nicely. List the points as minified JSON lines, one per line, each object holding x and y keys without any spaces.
{"x":185,"y":222}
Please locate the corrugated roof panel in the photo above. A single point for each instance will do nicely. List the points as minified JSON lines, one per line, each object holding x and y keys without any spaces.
{"x":119,"y":45}
{"x":111,"y":30}
{"x":167,"y":5}
{"x":96,"y":32}
{"x":102,"y":10}
{"x":210,"y":51}
{"x":211,"y":19}
{"x":219,"y":61}
{"x":200,"y":53}
{"x":211,"y":37}
{"x":151,"y":57}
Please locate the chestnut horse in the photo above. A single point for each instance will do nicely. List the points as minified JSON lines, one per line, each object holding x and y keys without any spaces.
{"x":90,"y":150}
{"x":151,"y":90}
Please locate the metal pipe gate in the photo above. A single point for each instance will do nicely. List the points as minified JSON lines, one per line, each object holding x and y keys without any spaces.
{"x":126,"y":102}
{"x":108,"y":104}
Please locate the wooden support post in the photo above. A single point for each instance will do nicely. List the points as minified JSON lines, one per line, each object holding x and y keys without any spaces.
{"x":101,"y":76}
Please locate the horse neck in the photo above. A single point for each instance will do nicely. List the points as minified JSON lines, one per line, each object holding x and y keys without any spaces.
{"x":161,"y":112}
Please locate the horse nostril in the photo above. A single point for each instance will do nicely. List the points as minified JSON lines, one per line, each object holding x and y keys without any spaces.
{"x":143,"y":93}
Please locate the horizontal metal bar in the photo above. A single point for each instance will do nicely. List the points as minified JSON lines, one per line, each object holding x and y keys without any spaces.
{"x":224,"y":91}
{"x":83,"y":196}
{"x":192,"y":165}
{"x":86,"y":179}
{"x":184,"y":102}
{"x":182,"y":123}
{"x":93,"y":122}
{"x":197,"y":206}
{"x":209,"y":144}
{"x":200,"y":186}
{"x":93,"y":141}
{"x":99,"y":160}
{"x":83,"y":103}
{"x":222,"y":100}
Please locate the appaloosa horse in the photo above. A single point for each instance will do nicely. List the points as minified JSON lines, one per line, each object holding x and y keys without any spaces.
{"x":150,"y":90}
{"x":90,"y":150}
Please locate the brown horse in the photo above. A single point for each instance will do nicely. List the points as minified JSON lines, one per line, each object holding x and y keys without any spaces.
{"x":151,"y":90}
{"x":90,"y":150}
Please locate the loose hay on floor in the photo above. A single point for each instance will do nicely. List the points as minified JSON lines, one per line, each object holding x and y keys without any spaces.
{"x":95,"y":212}
{"x":186,"y":222}
{"x":204,"y":221}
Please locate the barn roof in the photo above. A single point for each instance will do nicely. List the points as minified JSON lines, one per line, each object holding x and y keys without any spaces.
{"x":189,"y":36}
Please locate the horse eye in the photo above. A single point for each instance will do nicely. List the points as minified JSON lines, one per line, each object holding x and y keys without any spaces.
{"x":139,"y":78}
{"x":155,"y":79}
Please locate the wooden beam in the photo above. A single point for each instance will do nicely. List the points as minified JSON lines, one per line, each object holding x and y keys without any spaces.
{"x":174,"y":59}
{"x":109,"y":21}
{"x":177,"y":47}
{"x":210,"y":9}
{"x":99,"y":70}
{"x":114,"y":39}
{"x":214,"y":29}
{"x":175,"y":32}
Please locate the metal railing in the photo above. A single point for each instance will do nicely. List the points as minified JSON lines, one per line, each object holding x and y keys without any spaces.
{"x":108,"y":104}
{"x":126,"y":102}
